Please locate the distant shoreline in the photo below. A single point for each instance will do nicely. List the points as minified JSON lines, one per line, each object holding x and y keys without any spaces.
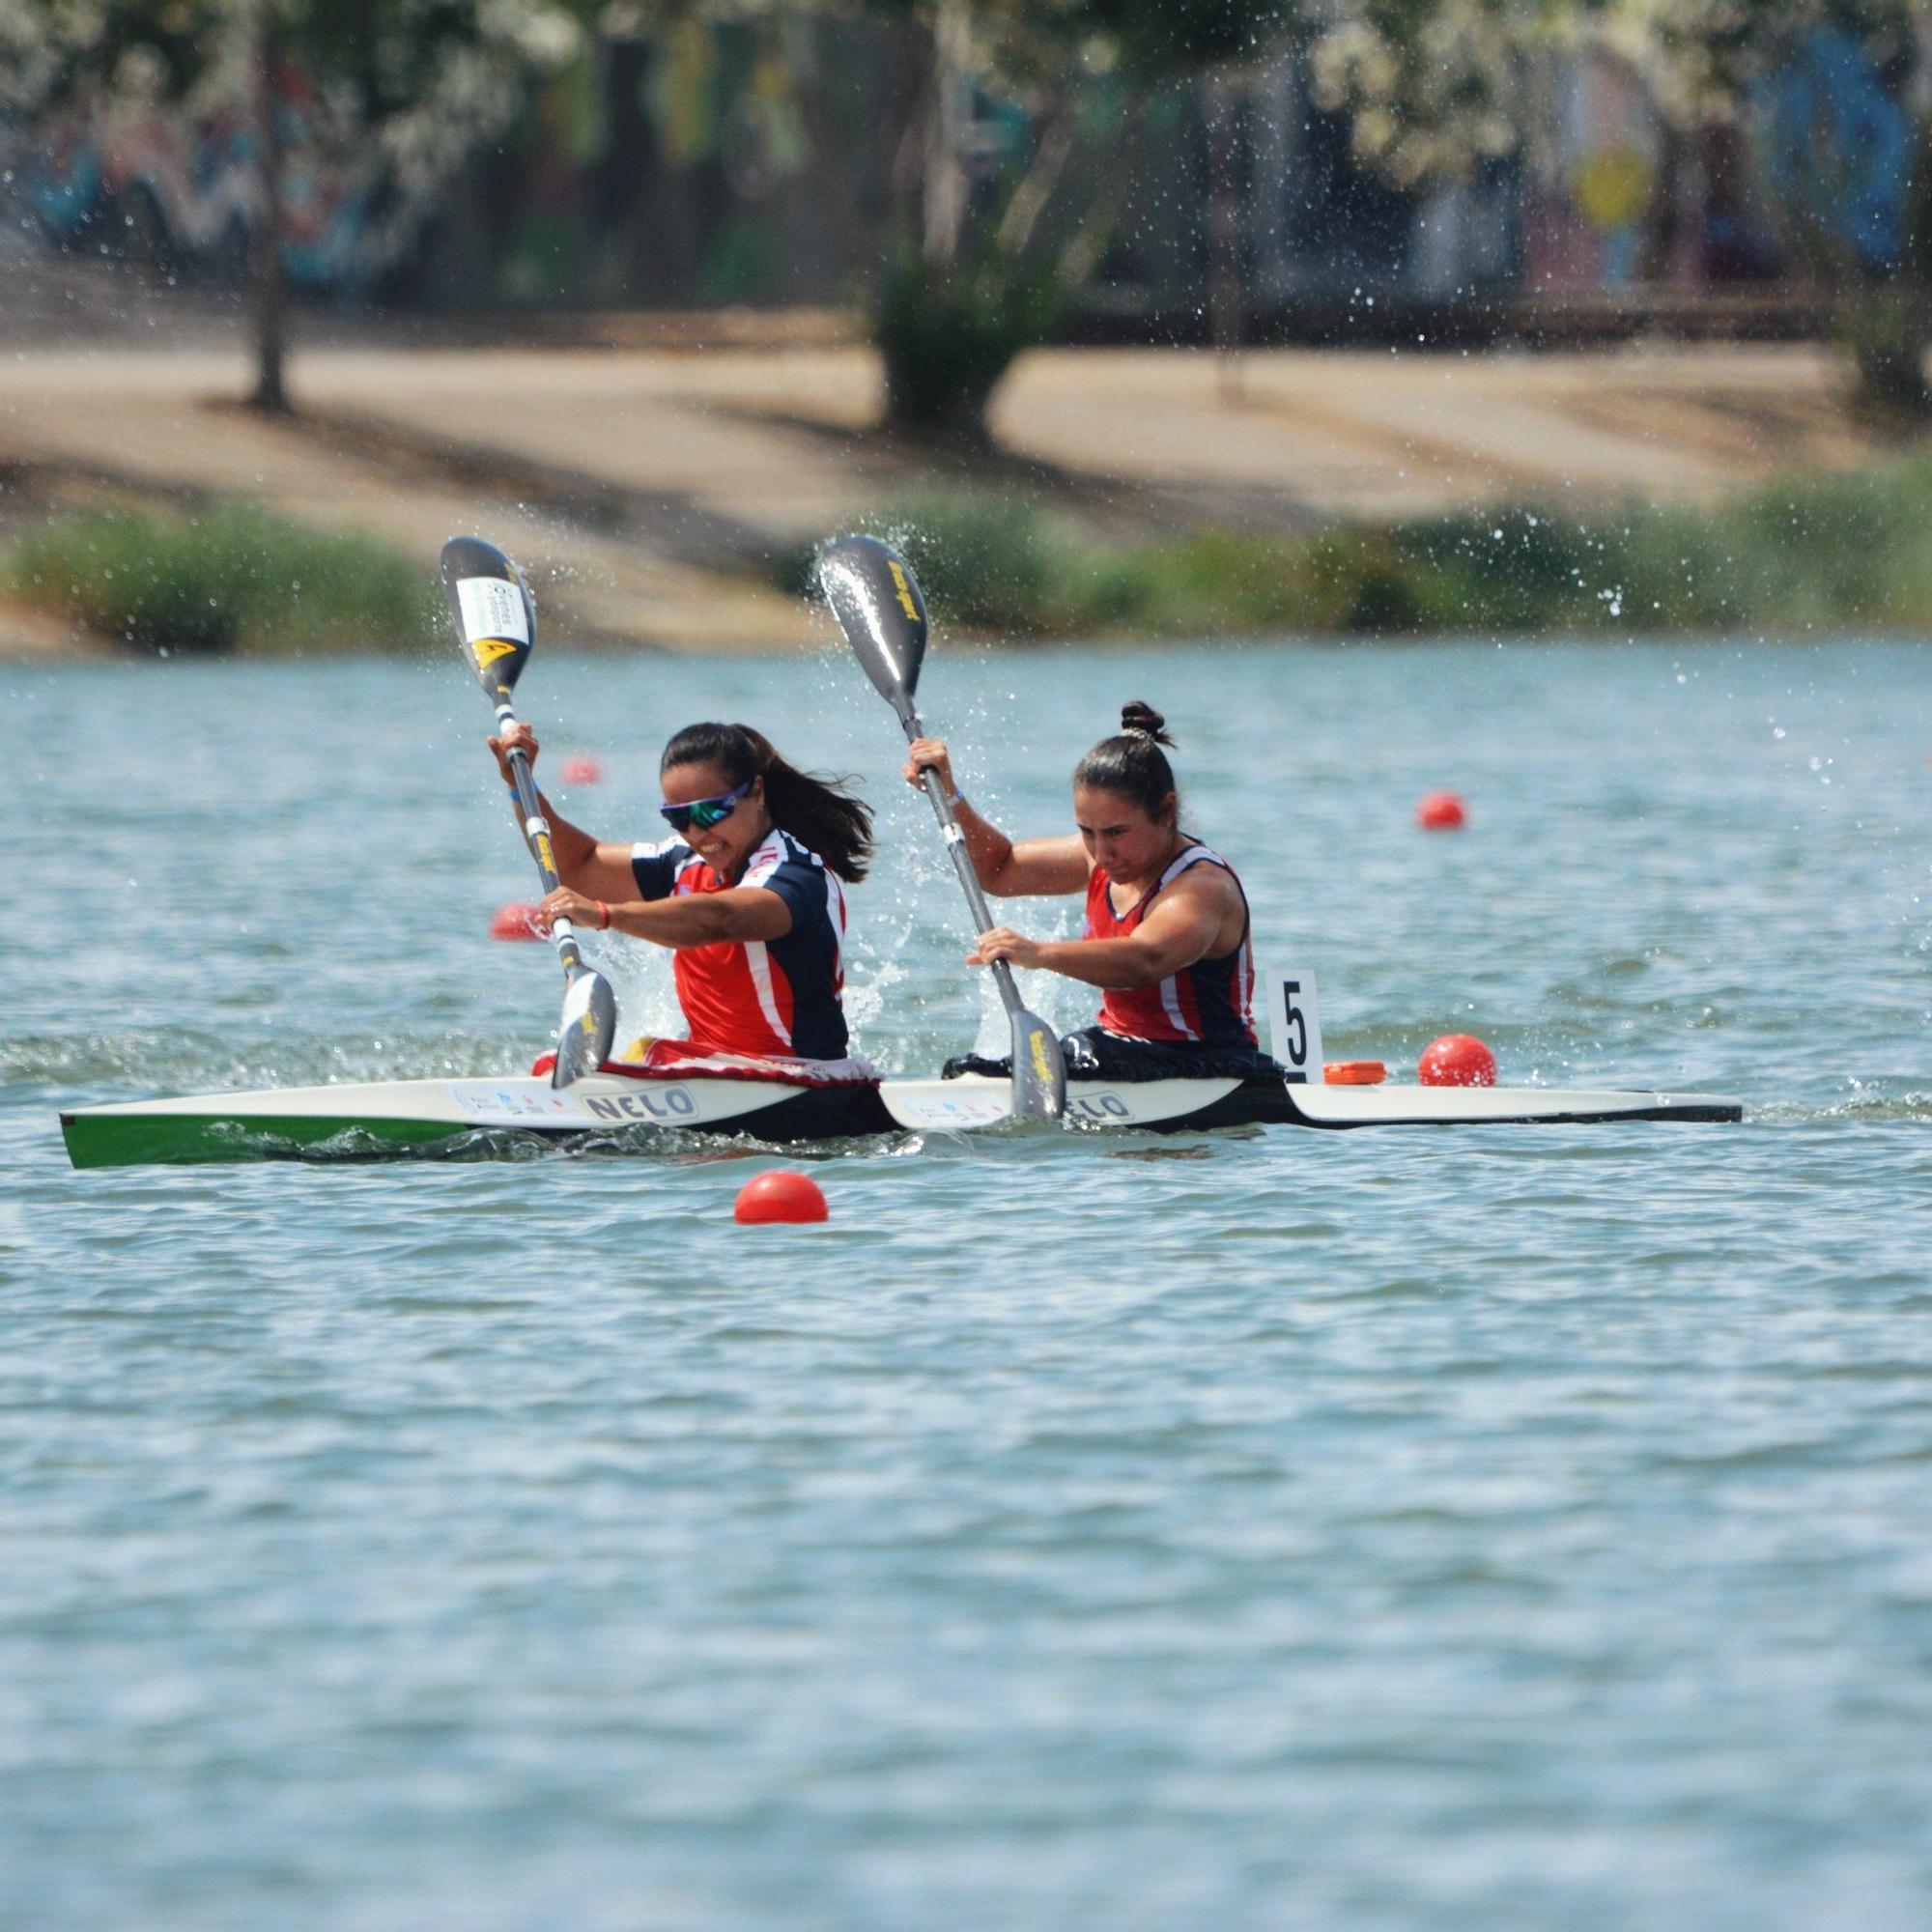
{"x":653,"y":496}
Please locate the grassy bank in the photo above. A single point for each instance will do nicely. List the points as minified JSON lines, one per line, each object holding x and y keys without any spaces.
{"x":224,"y":580}
{"x":1846,"y":550}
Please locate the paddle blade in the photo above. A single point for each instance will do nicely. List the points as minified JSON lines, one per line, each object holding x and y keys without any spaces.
{"x":877,"y":599}
{"x":496,"y":616}
{"x":1040,"y":1069}
{"x":588,"y":1026}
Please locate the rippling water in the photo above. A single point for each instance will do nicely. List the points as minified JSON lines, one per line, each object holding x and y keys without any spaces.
{"x":1503,"y":1529}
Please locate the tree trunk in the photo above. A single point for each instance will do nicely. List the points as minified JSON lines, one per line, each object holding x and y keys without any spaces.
{"x":827,"y":159}
{"x":1662,"y":218}
{"x":1081,"y":256}
{"x":1888,"y":326}
{"x":943,"y":200}
{"x":268,"y":292}
{"x":1053,"y":148}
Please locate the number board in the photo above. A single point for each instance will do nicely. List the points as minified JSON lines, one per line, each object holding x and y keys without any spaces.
{"x":1294,"y":1024}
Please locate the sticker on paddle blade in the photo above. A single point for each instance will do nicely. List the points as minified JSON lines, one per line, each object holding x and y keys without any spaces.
{"x":492,"y":614}
{"x":1295,"y":1025}
{"x":488,"y":650}
{"x":588,"y":1026}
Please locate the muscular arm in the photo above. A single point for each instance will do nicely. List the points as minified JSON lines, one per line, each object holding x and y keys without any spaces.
{"x":594,"y":867}
{"x":702,"y":918}
{"x":1037,"y":868}
{"x":1198,"y":915}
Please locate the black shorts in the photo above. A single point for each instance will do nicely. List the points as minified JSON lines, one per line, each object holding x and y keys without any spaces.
{"x":1096,"y":1054}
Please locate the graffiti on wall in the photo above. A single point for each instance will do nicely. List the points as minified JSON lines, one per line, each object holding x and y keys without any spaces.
{"x":1822,"y":163}
{"x":174,"y":188}
{"x":1834,"y":145}
{"x":659,"y":169}
{"x":1596,"y":175}
{"x":679,"y":166}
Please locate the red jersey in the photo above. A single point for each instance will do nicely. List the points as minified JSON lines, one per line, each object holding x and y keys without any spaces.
{"x":757,"y":996}
{"x":1209,"y":1003}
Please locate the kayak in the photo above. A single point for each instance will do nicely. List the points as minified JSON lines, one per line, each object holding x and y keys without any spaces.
{"x":376,"y":1119}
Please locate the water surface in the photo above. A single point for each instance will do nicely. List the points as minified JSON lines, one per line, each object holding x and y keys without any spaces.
{"x":1496,"y":1529}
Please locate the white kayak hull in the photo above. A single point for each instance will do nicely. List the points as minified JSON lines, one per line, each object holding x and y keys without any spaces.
{"x":378,"y":1118}
{"x":925,"y":1104}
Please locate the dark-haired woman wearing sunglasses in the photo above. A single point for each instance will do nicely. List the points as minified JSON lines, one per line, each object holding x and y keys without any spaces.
{"x":746,"y":892}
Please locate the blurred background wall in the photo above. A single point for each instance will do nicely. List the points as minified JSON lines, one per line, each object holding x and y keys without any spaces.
{"x":755,"y":162}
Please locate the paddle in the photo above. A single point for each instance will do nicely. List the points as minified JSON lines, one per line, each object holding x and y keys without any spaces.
{"x":879,"y":605}
{"x":497,"y":620}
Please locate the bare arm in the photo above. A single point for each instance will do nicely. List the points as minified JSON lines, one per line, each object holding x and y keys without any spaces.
{"x":699,"y":919}
{"x":1037,"y":868}
{"x":1191,"y":921}
{"x":596,"y":868}
{"x":1033,"y":868}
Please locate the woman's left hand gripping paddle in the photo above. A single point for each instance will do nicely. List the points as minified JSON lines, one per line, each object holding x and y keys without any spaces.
{"x":497,"y":620}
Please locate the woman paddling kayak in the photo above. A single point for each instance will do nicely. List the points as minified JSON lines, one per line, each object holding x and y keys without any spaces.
{"x":747,"y":893}
{"x":1167,"y":935}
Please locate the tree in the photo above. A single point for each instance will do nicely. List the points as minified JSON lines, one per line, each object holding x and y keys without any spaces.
{"x":963,"y":291}
{"x":1835,"y":96}
{"x":426,"y":81}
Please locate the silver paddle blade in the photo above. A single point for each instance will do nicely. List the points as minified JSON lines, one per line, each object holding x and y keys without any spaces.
{"x":1040,"y":1069}
{"x":877,"y":599}
{"x":588,"y":1029}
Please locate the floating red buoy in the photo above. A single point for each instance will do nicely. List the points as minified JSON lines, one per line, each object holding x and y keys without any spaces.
{"x":1442,"y":812}
{"x":782,"y":1196}
{"x":1457,"y":1060}
{"x":515,"y":921}
{"x":580,"y":771}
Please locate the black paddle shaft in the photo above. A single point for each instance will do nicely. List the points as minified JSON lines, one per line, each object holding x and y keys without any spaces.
{"x":877,"y":603}
{"x":536,"y":835}
{"x":495,"y":617}
{"x":962,"y":864}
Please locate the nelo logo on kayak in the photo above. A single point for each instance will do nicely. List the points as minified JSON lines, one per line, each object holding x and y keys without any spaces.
{"x":670,"y":1104}
{"x":1098,"y":1107}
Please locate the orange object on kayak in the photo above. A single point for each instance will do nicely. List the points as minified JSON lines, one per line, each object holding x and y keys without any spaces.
{"x":1354,"y":1073}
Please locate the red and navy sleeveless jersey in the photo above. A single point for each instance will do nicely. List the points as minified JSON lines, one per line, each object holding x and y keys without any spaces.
{"x":775,"y":996}
{"x":1209,"y":1003}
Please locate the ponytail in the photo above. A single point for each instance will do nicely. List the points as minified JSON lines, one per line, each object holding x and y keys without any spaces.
{"x":1133,"y":764}
{"x":819,"y":814}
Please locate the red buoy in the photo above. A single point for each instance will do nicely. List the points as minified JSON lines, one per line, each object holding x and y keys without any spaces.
{"x":782,"y":1196}
{"x":1442,"y":812}
{"x":515,"y":921}
{"x":1457,"y":1060}
{"x":581,"y":770}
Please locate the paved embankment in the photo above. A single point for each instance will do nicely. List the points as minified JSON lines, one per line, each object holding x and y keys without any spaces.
{"x":647,"y":487}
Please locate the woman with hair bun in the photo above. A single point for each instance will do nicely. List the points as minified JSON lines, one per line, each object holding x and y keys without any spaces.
{"x":746,"y":892}
{"x":1167,"y":936}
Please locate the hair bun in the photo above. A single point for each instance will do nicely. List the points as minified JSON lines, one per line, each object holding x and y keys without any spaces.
{"x":1140,"y":720}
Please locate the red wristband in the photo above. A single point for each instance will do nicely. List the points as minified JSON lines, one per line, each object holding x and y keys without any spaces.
{"x":604,"y":917}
